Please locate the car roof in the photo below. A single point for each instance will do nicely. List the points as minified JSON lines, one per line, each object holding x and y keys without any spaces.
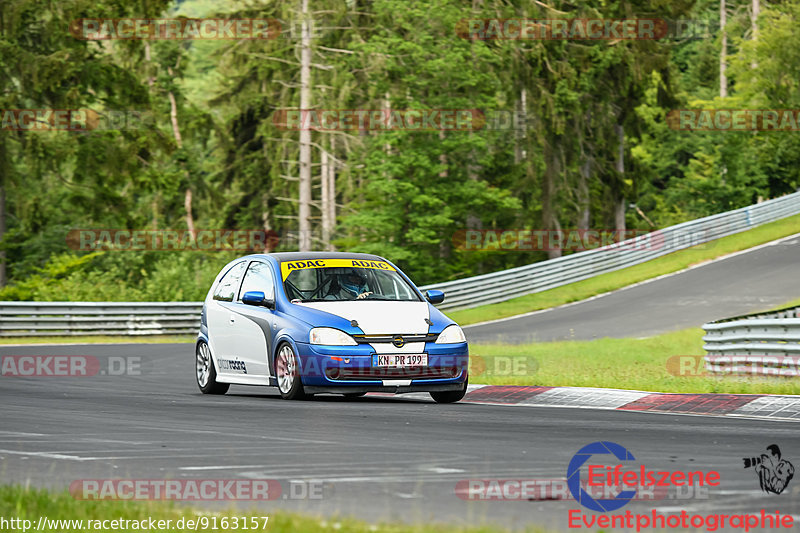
{"x":300,"y":256}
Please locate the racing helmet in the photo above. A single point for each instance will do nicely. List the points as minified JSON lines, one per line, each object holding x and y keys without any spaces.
{"x":352,"y":281}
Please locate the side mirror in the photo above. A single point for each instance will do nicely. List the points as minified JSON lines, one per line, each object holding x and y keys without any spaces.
{"x":257,"y":298}
{"x":434,"y":296}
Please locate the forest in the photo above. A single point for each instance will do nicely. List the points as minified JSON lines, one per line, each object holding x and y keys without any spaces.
{"x":380,"y":126}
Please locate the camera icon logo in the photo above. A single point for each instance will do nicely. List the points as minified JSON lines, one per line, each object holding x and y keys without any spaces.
{"x":774,"y":473}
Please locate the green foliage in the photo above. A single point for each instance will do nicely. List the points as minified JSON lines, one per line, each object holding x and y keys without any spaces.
{"x":635,"y":364}
{"x":121,"y":276}
{"x":401,"y":194}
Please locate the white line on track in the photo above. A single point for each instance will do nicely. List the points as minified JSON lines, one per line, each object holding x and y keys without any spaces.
{"x":51,"y":455}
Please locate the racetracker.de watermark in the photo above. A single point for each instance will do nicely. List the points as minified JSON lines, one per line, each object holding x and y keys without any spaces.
{"x":519,"y":29}
{"x":101,"y":29}
{"x":526,"y":240}
{"x":68,"y":366}
{"x":196,"y":489}
{"x":79,"y":120}
{"x":561,"y":29}
{"x":533,"y":240}
{"x":692,"y":366}
{"x":502,"y":366}
{"x":379,"y":119}
{"x":557,"y":490}
{"x":725,"y":120}
{"x":172,"y":240}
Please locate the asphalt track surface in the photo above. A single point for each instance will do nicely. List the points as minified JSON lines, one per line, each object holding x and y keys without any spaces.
{"x":375,"y":458}
{"x":759,"y":279}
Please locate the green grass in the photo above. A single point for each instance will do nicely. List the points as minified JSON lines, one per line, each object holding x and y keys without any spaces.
{"x":627,"y":276}
{"x":31,"y":504}
{"x":793,"y":303}
{"x":636,"y":364}
{"x":99,"y":339}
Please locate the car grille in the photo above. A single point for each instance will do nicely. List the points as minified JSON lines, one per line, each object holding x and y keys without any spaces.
{"x":378,"y":339}
{"x":413,"y":372}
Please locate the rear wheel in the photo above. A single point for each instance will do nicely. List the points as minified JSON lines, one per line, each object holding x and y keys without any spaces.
{"x":450,"y":396}
{"x":287,"y":371}
{"x":206,"y":373}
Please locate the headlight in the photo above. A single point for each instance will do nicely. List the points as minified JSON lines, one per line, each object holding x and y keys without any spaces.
{"x":331,"y":337}
{"x":451,"y":335}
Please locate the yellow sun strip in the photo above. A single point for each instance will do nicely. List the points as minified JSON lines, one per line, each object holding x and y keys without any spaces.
{"x":290,"y":266}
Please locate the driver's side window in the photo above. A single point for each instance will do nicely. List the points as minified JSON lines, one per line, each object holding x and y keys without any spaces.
{"x":258,"y":278}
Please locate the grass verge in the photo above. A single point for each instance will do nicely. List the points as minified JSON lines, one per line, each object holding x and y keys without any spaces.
{"x":99,"y":339}
{"x":32,"y":504}
{"x":628,"y":276}
{"x":636,"y":364}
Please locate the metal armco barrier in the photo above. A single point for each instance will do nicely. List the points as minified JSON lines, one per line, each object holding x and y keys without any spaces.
{"x":537,"y":277}
{"x":765,"y":344}
{"x":19,"y":319}
{"x":24,"y":319}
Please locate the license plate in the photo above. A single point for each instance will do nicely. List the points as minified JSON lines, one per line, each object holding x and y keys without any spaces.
{"x":397,"y":360}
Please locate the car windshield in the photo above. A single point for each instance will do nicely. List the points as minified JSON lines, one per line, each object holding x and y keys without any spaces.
{"x":321,"y":284}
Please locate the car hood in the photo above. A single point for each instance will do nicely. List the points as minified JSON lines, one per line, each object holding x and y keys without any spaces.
{"x":379,"y":317}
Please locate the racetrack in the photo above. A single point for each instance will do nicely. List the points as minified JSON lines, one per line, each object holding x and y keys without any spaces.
{"x":757,"y":279}
{"x":376,"y":458}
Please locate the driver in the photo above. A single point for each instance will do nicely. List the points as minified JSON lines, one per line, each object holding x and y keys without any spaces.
{"x":352,"y":285}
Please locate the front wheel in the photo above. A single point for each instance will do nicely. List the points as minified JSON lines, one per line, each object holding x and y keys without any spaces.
{"x":450,"y":396}
{"x":206,"y":373}
{"x":288,"y":374}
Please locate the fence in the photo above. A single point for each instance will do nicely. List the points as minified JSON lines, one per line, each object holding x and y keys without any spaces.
{"x":537,"y":277}
{"x":757,"y":344}
{"x":19,"y":319}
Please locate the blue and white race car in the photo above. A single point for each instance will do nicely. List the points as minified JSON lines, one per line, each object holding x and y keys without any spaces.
{"x":327,"y":322}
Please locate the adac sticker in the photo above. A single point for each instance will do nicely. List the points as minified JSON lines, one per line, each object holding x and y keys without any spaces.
{"x":290,"y":266}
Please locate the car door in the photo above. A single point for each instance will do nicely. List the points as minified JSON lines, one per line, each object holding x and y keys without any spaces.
{"x":254,"y":324}
{"x":221,"y":317}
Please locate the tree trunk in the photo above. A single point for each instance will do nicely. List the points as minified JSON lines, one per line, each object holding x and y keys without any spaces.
{"x":584,"y":213}
{"x":4,"y":166}
{"x":187,"y":205}
{"x":176,"y":132}
{"x":619,"y":200}
{"x":723,"y":54}
{"x":549,"y":218}
{"x":305,"y":133}
{"x":332,"y":192}
{"x":754,"y":17}
{"x":754,"y":23}
{"x":442,"y":157}
{"x":520,"y":122}
{"x":269,"y":236}
{"x":326,"y":198}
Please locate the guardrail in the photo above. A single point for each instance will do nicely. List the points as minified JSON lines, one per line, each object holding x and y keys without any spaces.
{"x":19,"y":319}
{"x":26,"y":319}
{"x":507,"y":284}
{"x":757,"y":344}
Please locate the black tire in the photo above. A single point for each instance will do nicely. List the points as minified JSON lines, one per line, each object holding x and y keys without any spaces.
{"x":287,"y":372}
{"x":450,"y":396}
{"x":205,"y":373}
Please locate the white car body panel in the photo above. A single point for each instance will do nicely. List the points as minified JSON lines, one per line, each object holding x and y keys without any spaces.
{"x":382,"y":318}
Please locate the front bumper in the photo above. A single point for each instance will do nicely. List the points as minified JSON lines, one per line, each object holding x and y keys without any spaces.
{"x":349,"y":369}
